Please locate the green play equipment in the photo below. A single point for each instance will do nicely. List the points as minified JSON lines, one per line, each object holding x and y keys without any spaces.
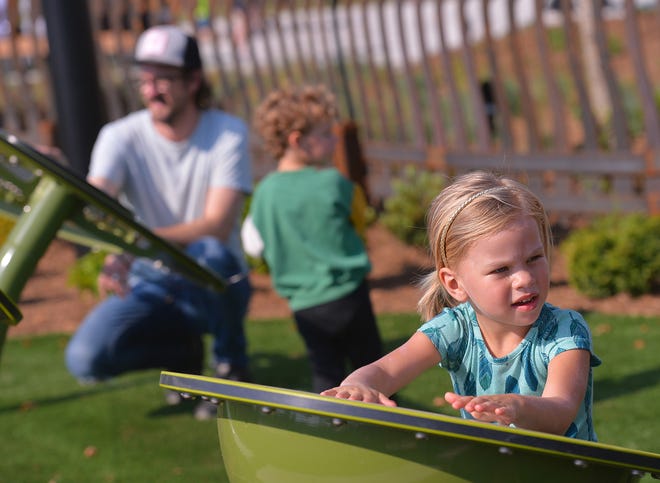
{"x":46,"y":200}
{"x":9,"y":312}
{"x":281,"y":435}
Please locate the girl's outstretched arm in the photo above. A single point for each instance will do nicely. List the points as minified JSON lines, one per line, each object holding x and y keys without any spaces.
{"x":552,"y":412}
{"x":377,"y":381}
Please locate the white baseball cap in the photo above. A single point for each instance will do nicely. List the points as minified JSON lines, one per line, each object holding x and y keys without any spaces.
{"x":168,"y":45}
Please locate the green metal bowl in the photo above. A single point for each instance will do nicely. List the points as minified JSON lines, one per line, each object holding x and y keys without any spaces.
{"x":280,"y":435}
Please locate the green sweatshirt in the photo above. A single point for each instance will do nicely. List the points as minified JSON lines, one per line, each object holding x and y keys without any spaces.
{"x":312,"y":249}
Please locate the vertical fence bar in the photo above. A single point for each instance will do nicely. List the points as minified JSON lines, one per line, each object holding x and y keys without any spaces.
{"x":588,"y":121}
{"x":418,"y":135}
{"x":460,"y":137}
{"x":115,"y":105}
{"x":399,"y":133}
{"x":373,"y":73}
{"x":343,"y":75}
{"x":618,"y":115}
{"x":25,"y":100}
{"x":284,"y":55}
{"x":10,"y":113}
{"x":651,"y":120}
{"x":268,"y":51}
{"x":239,"y":74}
{"x":254,"y":72}
{"x":308,"y":22}
{"x":295,"y":41}
{"x":523,"y":82}
{"x":328,"y":62}
{"x":223,"y":84}
{"x":555,"y":98}
{"x":477,"y":101}
{"x":502,"y":113}
{"x":438,"y":136}
{"x":40,"y":49}
{"x":353,"y":14}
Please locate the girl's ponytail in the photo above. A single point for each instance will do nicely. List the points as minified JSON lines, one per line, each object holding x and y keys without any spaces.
{"x":434,"y":297}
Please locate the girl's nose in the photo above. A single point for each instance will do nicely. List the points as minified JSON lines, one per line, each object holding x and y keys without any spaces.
{"x":523,"y":279}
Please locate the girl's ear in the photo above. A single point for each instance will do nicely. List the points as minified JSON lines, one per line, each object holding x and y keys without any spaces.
{"x":452,"y":285}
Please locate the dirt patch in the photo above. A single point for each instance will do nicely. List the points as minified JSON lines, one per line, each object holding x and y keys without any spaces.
{"x":50,"y":304}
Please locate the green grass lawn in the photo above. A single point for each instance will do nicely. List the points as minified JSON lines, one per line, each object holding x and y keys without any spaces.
{"x":54,"y":430}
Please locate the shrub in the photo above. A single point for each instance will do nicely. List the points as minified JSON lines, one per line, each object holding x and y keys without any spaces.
{"x":84,"y":273}
{"x":404,"y":212}
{"x":615,"y":254}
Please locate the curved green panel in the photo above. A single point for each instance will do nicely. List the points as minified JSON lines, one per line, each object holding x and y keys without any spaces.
{"x":95,"y":219}
{"x":280,"y":435}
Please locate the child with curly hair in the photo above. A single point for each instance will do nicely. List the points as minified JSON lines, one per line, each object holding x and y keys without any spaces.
{"x":307,"y":221}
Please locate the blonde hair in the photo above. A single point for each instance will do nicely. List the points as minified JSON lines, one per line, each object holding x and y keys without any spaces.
{"x":474,"y":206}
{"x":291,"y":109}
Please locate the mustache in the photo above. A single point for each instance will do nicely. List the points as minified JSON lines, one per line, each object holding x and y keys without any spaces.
{"x":157,"y":98}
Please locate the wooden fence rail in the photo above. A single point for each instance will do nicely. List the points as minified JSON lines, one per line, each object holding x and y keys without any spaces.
{"x":565,"y":97}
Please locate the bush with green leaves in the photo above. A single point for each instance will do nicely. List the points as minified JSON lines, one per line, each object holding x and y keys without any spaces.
{"x":404,"y":212}
{"x":615,"y":254}
{"x":84,"y":273}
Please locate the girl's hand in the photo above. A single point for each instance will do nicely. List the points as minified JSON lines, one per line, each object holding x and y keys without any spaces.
{"x":497,"y":408}
{"x":359,"y":392}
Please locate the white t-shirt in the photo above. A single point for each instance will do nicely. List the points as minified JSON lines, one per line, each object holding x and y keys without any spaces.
{"x":165,"y":182}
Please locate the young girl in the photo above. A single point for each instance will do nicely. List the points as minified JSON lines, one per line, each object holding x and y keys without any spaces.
{"x":513,"y":358}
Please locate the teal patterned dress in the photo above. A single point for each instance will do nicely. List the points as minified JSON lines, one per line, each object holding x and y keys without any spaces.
{"x":474,"y":371}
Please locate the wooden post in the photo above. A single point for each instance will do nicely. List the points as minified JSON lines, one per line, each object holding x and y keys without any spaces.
{"x":349,"y":157}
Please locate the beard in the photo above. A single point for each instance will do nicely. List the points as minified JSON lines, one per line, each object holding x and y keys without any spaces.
{"x":163,"y":111}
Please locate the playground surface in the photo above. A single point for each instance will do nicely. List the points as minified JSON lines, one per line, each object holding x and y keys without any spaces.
{"x":49,"y":304}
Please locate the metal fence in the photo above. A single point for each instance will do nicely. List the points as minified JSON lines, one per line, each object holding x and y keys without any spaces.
{"x":563,"y":95}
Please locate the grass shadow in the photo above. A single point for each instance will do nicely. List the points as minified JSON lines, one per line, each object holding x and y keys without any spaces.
{"x":114,"y":385}
{"x":611,"y":387}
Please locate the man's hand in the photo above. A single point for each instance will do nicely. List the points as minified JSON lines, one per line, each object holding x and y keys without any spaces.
{"x":113,"y":278}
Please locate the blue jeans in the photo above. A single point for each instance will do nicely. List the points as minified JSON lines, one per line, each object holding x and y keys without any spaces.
{"x":160,"y":323}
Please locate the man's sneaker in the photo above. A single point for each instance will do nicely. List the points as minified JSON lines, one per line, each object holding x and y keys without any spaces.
{"x":224,"y":370}
{"x":173,"y":398}
{"x":205,"y":410}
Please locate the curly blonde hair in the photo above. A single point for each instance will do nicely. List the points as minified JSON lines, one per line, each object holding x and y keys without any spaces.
{"x":291,"y":109}
{"x":476,"y":205}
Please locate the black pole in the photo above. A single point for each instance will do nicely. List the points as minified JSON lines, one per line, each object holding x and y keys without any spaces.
{"x":78,"y":101}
